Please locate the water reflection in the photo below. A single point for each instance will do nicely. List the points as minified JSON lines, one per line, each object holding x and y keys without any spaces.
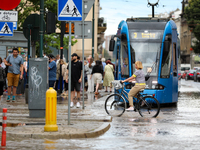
{"x":49,"y":144}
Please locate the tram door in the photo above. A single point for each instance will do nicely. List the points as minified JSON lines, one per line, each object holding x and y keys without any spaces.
{"x":175,"y":74}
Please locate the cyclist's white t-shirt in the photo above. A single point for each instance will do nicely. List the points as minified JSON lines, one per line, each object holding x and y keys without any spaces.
{"x":139,"y":76}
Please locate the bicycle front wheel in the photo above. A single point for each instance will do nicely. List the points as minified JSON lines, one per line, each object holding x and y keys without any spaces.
{"x":149,"y":107}
{"x":115,"y":105}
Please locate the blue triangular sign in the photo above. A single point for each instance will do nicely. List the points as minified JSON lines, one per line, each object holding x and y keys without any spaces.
{"x":69,"y":10}
{"x":6,"y":28}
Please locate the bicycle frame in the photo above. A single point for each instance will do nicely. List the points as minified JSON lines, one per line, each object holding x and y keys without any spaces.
{"x":123,"y":93}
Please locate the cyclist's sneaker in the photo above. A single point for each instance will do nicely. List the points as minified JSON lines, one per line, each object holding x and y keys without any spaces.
{"x":130,"y":109}
{"x":8,"y":99}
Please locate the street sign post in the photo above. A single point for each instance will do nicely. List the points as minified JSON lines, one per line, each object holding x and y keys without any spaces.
{"x":69,"y":10}
{"x":74,"y":10}
{"x":9,"y":4}
{"x":6,"y":28}
{"x":87,"y":29}
{"x":8,"y":16}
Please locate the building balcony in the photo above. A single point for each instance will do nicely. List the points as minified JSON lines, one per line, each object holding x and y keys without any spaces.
{"x":102,"y":26}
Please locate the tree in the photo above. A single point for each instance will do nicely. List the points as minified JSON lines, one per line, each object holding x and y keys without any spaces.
{"x":53,"y":40}
{"x":192,"y":15}
{"x":106,"y":54}
{"x":27,"y":7}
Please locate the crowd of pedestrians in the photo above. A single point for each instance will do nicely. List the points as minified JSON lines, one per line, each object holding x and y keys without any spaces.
{"x":13,"y":69}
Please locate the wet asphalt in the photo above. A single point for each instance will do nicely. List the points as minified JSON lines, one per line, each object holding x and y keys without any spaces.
{"x":175,"y":128}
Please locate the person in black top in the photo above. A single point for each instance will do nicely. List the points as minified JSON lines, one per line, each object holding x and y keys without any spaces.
{"x":76,"y":78}
{"x":2,"y":78}
{"x":97,"y":71}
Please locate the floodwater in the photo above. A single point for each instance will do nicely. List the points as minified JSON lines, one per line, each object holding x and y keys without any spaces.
{"x":175,"y":128}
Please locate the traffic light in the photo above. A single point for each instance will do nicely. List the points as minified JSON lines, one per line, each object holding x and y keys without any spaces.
{"x":51,"y":23}
{"x":67,"y":28}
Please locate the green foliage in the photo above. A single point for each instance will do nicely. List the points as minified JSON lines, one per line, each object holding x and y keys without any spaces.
{"x":53,"y":40}
{"x":192,"y":15}
{"x":27,"y":7}
{"x":106,"y":54}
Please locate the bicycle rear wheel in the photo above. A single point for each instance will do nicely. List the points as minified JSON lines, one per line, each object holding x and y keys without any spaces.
{"x":149,"y":107}
{"x":115,"y":105}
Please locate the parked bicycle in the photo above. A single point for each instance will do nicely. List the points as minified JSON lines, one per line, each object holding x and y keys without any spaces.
{"x":146,"y":105}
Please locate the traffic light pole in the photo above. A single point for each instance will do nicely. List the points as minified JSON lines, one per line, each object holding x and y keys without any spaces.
{"x":61,"y":54}
{"x":41,"y":26}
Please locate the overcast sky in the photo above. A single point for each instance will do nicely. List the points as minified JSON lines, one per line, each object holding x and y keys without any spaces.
{"x":116,"y":10}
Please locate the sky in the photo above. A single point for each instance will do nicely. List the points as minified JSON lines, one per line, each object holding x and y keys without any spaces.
{"x":115,"y":11}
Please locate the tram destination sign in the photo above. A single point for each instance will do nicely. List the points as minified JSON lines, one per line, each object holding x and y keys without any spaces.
{"x":146,"y":35}
{"x":8,"y":16}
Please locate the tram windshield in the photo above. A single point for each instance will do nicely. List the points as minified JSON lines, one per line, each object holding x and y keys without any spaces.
{"x":148,"y":53}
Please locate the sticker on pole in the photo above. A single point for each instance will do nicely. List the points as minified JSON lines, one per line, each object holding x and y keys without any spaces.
{"x":6,"y":28}
{"x":69,"y":10}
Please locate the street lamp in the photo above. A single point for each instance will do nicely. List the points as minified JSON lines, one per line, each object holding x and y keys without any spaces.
{"x":152,"y":3}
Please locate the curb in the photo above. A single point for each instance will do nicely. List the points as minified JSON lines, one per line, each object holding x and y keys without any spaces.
{"x":55,"y":135}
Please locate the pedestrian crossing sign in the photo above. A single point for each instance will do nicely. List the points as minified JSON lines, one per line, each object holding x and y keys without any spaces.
{"x":6,"y":28}
{"x":69,"y":10}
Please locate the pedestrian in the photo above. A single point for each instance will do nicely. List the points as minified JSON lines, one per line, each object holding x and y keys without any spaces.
{"x":44,"y":55}
{"x":85,"y":76}
{"x":108,"y":75}
{"x":52,"y":71}
{"x":15,"y":72}
{"x":25,"y":71}
{"x":64,"y":69}
{"x":88,"y":59}
{"x":2,"y":63}
{"x":112,"y":63}
{"x":64,"y":74}
{"x":2,"y":78}
{"x":88,"y":69}
{"x":97,"y":73}
{"x":139,"y":76}
{"x":76,"y":78}
{"x":57,"y":59}
{"x":103,"y":62}
{"x":6,"y":71}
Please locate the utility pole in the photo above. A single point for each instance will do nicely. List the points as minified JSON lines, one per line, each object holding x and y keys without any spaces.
{"x":93,"y":31}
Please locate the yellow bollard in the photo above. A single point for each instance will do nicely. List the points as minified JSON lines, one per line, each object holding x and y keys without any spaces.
{"x":51,"y":111}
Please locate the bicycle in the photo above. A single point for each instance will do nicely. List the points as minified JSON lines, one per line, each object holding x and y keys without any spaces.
{"x":146,"y":105}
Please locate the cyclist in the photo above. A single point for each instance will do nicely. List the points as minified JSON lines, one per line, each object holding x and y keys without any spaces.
{"x":139,"y":76}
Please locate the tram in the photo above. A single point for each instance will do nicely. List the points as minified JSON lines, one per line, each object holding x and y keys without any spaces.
{"x":155,"y":43}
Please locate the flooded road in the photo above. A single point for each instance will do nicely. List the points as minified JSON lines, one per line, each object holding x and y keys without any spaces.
{"x":175,"y":128}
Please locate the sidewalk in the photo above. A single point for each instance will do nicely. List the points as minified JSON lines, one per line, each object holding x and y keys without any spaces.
{"x":90,"y":122}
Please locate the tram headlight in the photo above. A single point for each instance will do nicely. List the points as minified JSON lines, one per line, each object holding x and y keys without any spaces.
{"x":159,"y":87}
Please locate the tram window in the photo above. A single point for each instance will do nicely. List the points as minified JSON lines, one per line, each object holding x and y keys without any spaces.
{"x":166,"y":63}
{"x":124,"y":60}
{"x":174,"y":60}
